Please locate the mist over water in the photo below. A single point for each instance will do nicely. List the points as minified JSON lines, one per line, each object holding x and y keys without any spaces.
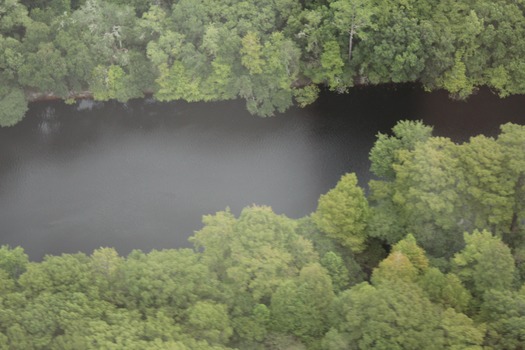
{"x":141,"y":175}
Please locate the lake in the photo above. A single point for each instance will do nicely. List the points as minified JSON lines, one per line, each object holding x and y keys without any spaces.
{"x":141,"y":175}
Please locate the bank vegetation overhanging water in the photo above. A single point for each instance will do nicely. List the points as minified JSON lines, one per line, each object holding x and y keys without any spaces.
{"x":272,"y":53}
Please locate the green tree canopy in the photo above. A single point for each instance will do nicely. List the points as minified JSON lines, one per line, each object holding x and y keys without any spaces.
{"x":342,"y":213}
{"x":300,"y":306}
{"x":406,"y":135}
{"x":485,"y":263}
{"x":13,"y":106}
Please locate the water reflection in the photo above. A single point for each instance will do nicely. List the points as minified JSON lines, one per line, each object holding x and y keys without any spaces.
{"x":49,"y":123}
{"x":88,"y":105}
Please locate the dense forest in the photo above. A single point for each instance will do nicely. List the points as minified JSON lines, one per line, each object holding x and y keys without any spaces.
{"x":432,"y":258}
{"x":272,"y":53}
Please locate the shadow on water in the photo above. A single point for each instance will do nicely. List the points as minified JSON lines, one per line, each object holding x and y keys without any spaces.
{"x":141,"y":174}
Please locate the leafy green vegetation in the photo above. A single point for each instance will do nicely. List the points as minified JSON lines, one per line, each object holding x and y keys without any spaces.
{"x":432,"y":259}
{"x":273,"y":54}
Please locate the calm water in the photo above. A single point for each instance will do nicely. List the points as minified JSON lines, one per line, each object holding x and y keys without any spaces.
{"x":141,"y":175}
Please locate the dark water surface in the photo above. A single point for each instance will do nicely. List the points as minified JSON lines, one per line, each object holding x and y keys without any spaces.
{"x":141,"y":175}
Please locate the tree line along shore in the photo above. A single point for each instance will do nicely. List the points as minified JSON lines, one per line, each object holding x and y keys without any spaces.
{"x":271,"y":53}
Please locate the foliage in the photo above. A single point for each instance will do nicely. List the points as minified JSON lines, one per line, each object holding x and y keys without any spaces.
{"x":505,"y":317}
{"x":436,"y":189}
{"x":385,"y":153}
{"x":306,"y":95}
{"x":445,"y":289}
{"x":485,"y":263}
{"x":338,"y":272}
{"x":300,"y":306}
{"x":264,"y":281}
{"x":13,"y":261}
{"x":409,"y":248}
{"x":210,"y":322}
{"x":268,"y":53}
{"x":13,"y":106}
{"x":397,"y":316}
{"x":342,"y":213}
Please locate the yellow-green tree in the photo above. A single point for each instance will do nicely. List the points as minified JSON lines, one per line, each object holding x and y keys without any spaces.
{"x":342,"y":214}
